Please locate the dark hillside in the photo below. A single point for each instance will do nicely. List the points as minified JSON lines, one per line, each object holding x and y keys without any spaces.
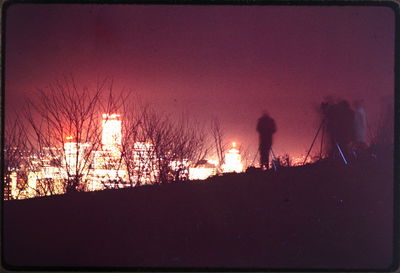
{"x":316,"y":216}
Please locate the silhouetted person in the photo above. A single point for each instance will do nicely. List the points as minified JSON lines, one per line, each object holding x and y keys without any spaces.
{"x":360,"y":126}
{"x":266,"y":128}
{"x":339,"y":120}
{"x":345,"y":119}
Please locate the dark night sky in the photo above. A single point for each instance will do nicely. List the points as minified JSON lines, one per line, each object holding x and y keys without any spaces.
{"x":227,"y":61}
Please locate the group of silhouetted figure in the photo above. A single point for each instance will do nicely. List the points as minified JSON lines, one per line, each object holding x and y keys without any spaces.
{"x":344,"y":129}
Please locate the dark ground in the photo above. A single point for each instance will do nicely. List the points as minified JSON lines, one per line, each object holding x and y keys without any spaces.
{"x":316,"y":216}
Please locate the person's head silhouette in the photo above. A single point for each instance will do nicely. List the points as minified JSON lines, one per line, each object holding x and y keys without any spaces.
{"x":265,"y":113}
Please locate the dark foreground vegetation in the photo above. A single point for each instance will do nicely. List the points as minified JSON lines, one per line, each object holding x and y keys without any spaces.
{"x":315,"y":216}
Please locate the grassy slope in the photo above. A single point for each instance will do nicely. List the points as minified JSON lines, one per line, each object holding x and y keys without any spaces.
{"x":305,"y":217}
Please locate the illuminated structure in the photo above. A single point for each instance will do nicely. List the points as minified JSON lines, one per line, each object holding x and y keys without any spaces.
{"x":180,"y":168}
{"x":98,"y":169}
{"x":112,"y":131}
{"x":203,"y":170}
{"x":74,"y":156}
{"x":46,"y":181}
{"x":13,"y":188}
{"x":107,"y":169}
{"x":145,"y":163}
{"x":21,"y":188}
{"x":232,"y":161}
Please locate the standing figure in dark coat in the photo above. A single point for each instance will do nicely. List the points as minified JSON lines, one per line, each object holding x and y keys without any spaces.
{"x":345,"y":118}
{"x":360,"y":127}
{"x":339,"y":119}
{"x":266,"y":128}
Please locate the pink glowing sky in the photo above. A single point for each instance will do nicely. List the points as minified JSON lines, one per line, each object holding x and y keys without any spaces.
{"x":227,"y":61}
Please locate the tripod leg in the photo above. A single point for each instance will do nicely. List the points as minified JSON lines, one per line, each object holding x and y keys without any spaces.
{"x":341,"y":154}
{"x":273,"y":159}
{"x":273,"y":154}
{"x":322,"y":142}
{"x":254,"y":159}
{"x":312,"y":144}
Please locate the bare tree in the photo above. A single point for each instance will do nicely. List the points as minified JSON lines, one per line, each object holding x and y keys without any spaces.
{"x":158,"y":130}
{"x":133,"y":149}
{"x":63,"y":143}
{"x":175,"y":144}
{"x":245,"y":156}
{"x":14,"y":150}
{"x":18,"y":163}
{"x":189,"y":145}
{"x":64,"y":123}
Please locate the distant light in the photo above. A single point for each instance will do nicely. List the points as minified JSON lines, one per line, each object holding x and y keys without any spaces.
{"x":234,"y":144}
{"x":111,"y":116}
{"x":213,"y":162}
{"x":200,"y":173}
{"x":232,"y":161}
{"x":69,"y":137}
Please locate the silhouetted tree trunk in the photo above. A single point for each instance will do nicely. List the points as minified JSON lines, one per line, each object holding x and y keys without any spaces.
{"x":220,"y":145}
{"x":133,"y":148}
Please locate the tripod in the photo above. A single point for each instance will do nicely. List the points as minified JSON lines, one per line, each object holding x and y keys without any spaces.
{"x":272,"y":161}
{"x":323,"y":127}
